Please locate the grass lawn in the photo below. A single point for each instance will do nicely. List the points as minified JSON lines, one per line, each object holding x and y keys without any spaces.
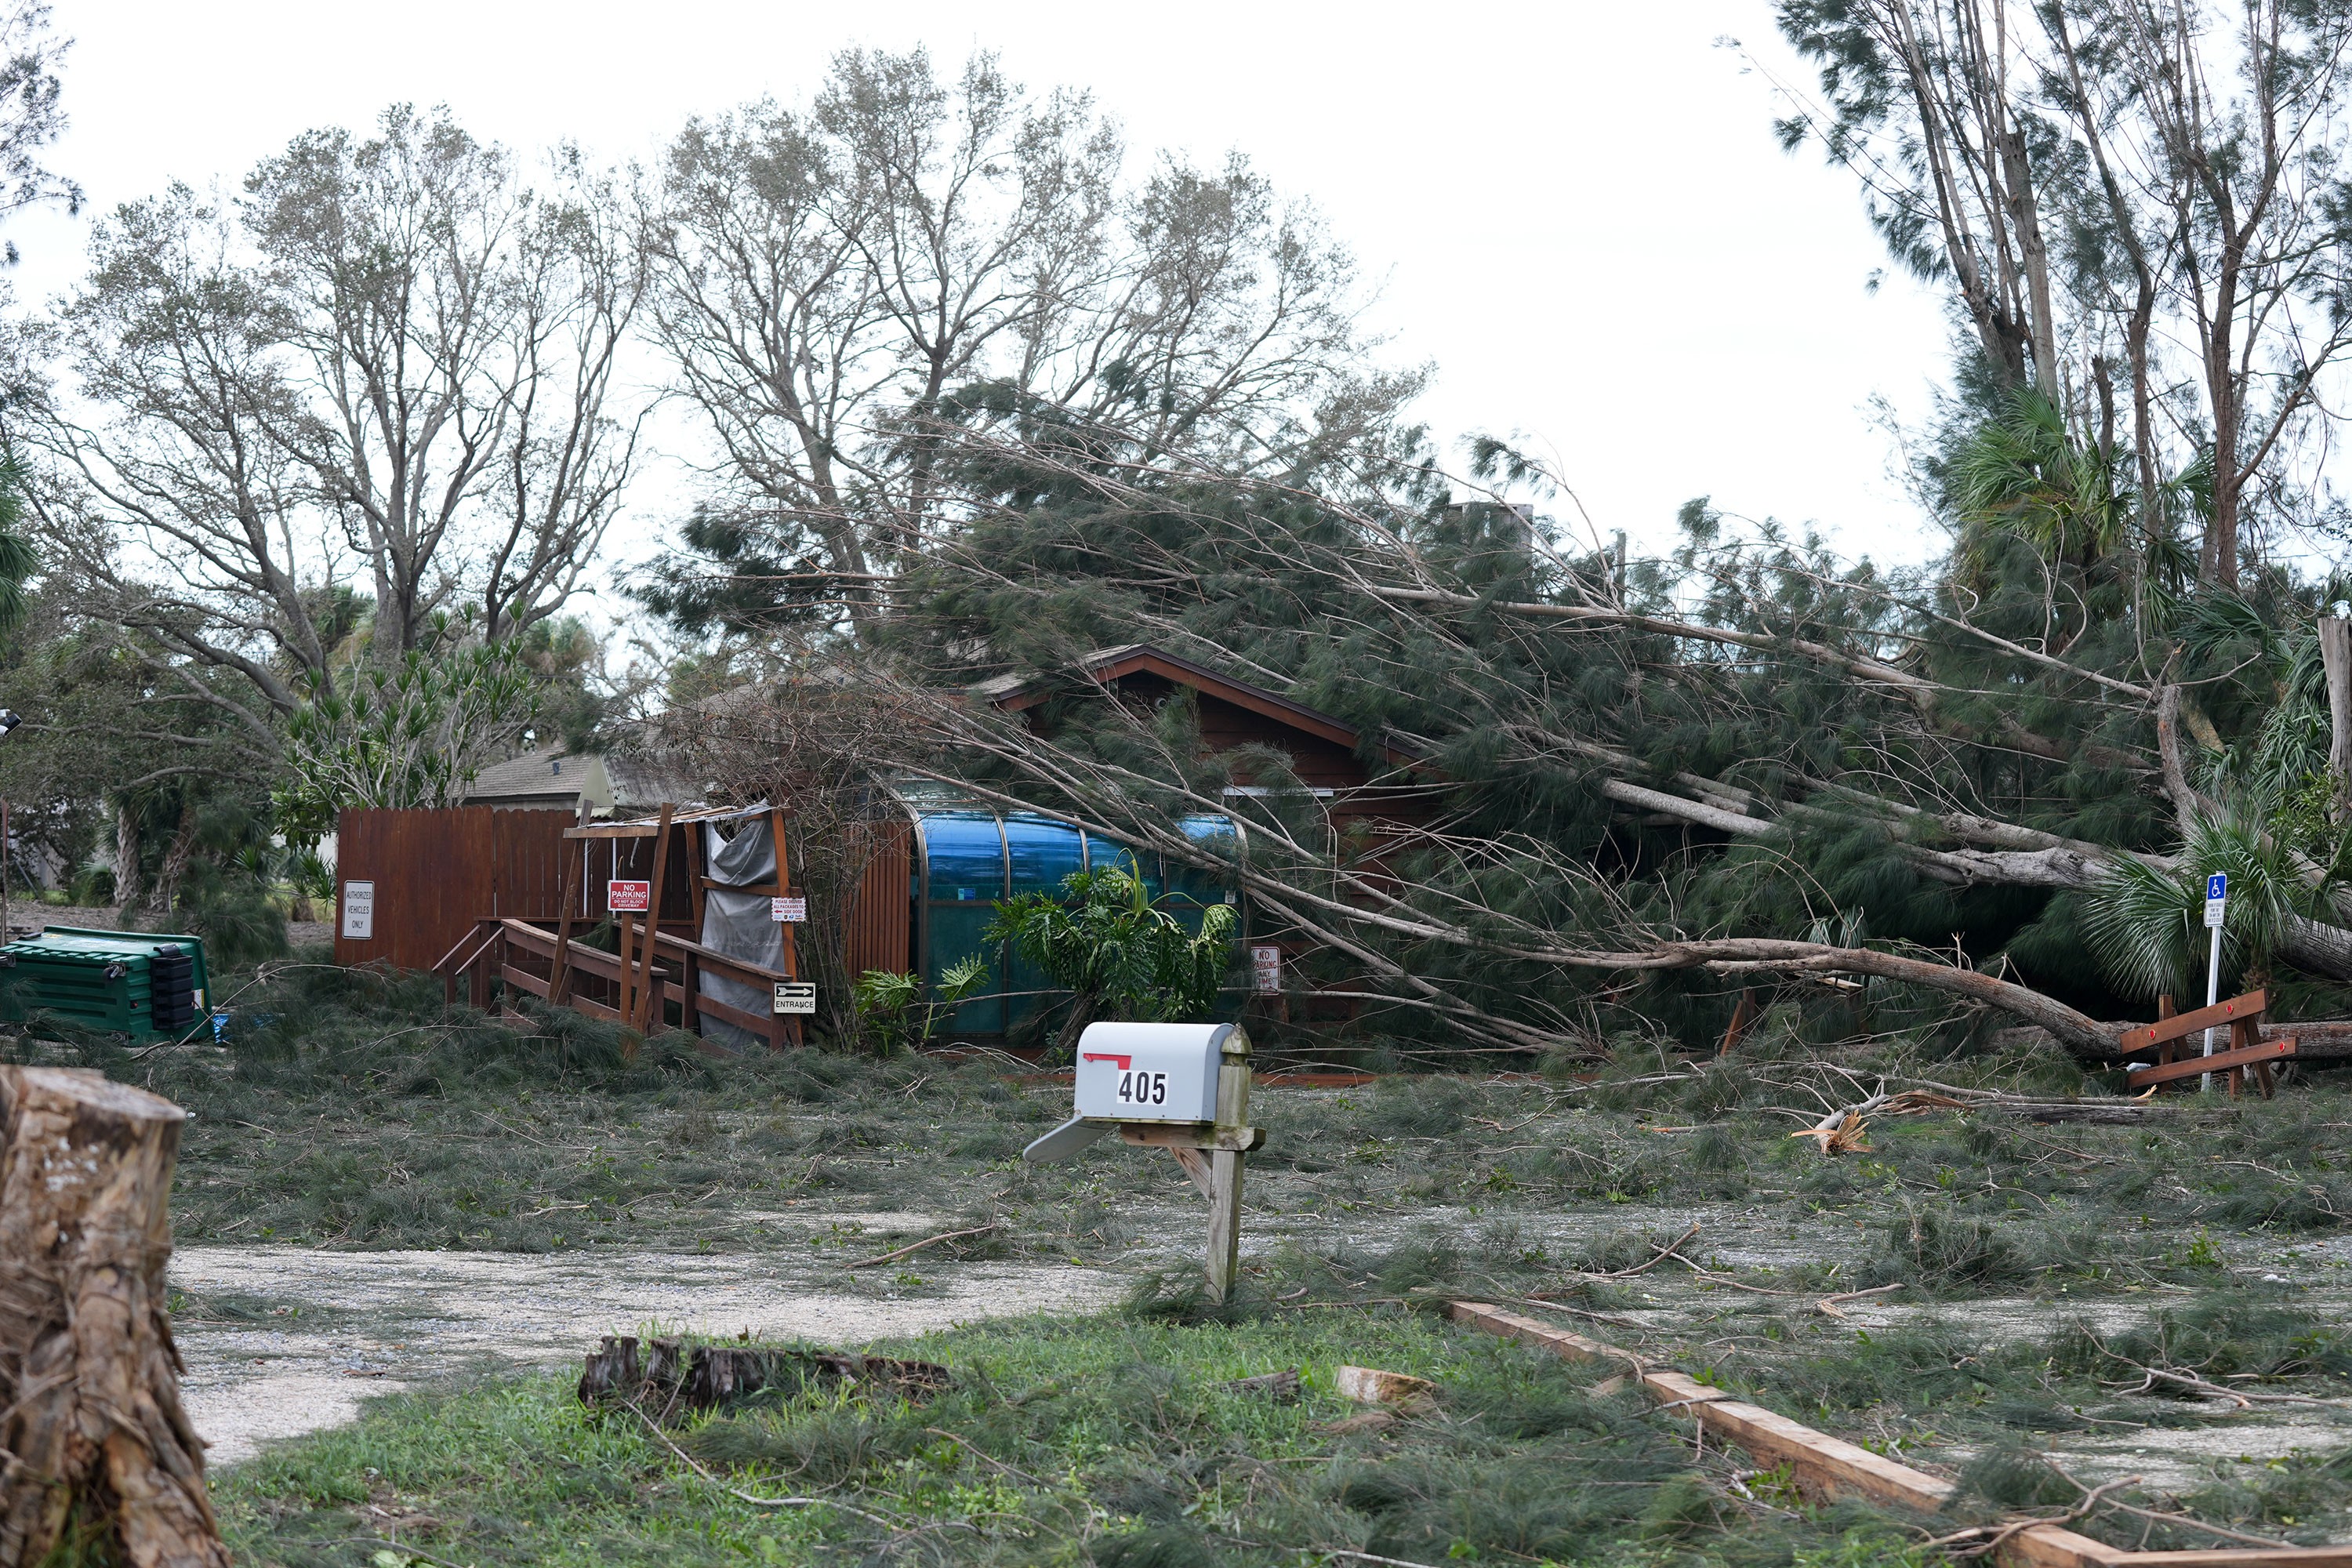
{"x":2074,"y":1304}
{"x":1116,"y":1440}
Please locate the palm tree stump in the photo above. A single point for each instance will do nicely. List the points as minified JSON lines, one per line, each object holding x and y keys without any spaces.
{"x":97,"y":1458}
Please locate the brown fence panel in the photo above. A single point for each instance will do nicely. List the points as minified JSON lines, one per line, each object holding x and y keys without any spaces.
{"x":878,"y":921}
{"x":432,"y":872}
{"x":528,"y":849}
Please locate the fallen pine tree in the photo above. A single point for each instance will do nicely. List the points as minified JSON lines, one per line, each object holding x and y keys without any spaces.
{"x":1999,"y":781}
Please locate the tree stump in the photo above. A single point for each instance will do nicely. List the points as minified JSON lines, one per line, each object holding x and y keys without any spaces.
{"x":97,"y":1458}
{"x":674,"y":1379}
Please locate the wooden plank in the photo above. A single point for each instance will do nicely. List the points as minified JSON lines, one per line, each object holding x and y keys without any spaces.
{"x":1512,"y":1326}
{"x":2237,"y":1557}
{"x":559,"y":977}
{"x":1673,"y":1391}
{"x":2181,"y":1025}
{"x":2055,"y":1546}
{"x":591,"y":1008}
{"x":1822,"y":1465}
{"x":650,"y":1009}
{"x":727,"y":1013}
{"x":2219,"y":1061}
{"x":522,"y":979}
{"x":1830,"y":1467}
{"x":681,"y":949}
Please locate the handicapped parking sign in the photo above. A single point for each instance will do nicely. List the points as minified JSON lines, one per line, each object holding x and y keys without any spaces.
{"x":2217,"y":899}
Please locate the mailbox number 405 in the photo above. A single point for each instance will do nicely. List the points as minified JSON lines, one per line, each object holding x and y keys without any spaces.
{"x":1143,"y":1089}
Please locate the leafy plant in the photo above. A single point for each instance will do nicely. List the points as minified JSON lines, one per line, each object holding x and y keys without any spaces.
{"x":2145,"y":924}
{"x":1105,"y":941}
{"x":893,"y":1009}
{"x":415,"y":735}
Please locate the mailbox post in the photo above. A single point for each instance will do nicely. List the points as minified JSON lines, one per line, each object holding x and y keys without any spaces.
{"x":1183,"y":1088}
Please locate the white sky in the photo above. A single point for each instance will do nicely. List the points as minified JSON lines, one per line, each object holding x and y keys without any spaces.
{"x":1577,"y":210}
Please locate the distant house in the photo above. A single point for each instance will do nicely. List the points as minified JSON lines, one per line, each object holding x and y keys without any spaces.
{"x":1374,"y":791}
{"x":1383,"y":786}
{"x":587,"y":785}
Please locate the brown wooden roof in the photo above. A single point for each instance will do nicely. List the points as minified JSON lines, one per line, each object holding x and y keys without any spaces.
{"x":1015,"y":693}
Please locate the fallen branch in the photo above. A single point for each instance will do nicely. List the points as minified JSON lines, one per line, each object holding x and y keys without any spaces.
{"x":1841,"y":1132}
{"x":1827,"y":1304}
{"x":2089,"y":1501}
{"x":2245,"y":1400}
{"x":927,"y":1241}
{"x":1670,"y":1249}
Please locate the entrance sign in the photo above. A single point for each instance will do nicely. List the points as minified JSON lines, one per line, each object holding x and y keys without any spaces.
{"x":1265,"y":968}
{"x":628,"y":898}
{"x":796,"y":996}
{"x":359,"y":910}
{"x":794,"y":909}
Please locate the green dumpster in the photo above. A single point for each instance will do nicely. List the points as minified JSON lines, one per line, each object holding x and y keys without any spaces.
{"x":146,"y":984}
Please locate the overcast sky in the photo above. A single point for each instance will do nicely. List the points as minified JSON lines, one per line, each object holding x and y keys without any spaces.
{"x":1576,"y":211}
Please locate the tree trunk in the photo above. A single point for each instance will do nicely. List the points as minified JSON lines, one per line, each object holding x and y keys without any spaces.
{"x":2079,"y":1033}
{"x":2336,"y":654}
{"x":126,"y":856}
{"x":175,"y":861}
{"x":93,"y":1442}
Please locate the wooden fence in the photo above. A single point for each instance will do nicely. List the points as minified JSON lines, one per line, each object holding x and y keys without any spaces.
{"x":434,"y":874}
{"x":528,"y":958}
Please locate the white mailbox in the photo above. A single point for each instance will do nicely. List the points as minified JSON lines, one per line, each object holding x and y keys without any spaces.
{"x":1150,"y":1072}
{"x":1158,"y":1084}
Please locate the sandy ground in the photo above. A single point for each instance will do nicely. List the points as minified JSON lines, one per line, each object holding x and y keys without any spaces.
{"x":330,"y":1329}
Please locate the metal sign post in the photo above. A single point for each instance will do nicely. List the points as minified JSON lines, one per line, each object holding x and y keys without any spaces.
{"x":1183,"y":1088}
{"x":2217,"y":902}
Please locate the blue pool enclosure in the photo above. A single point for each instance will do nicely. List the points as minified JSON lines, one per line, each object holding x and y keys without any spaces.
{"x":969,"y":857}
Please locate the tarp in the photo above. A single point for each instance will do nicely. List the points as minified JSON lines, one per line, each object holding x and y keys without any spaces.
{"x":740,"y":925}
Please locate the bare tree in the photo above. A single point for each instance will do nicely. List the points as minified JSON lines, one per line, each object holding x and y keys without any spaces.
{"x":2187,"y":158}
{"x":847,"y":293}
{"x":1950,"y":171}
{"x":389,"y":369}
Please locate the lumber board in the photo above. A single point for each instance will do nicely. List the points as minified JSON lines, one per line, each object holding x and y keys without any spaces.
{"x":522,"y":979}
{"x":2219,"y":1061}
{"x":2182,"y":1025}
{"x":1823,"y":1466}
{"x":728,"y":1013}
{"x":1673,"y":1391}
{"x":2055,"y":1546}
{"x":1512,"y":1326}
{"x":2236,"y":1557}
{"x":1826,"y":1466}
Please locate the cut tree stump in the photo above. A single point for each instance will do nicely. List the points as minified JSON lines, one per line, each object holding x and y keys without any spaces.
{"x":674,"y":1379}
{"x":97,"y":1458}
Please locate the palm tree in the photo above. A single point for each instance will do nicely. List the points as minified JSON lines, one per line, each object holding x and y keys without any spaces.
{"x":2145,"y":924}
{"x":2024,"y":474}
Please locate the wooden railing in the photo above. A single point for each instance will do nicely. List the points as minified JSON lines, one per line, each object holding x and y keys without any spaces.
{"x":532,"y":959}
